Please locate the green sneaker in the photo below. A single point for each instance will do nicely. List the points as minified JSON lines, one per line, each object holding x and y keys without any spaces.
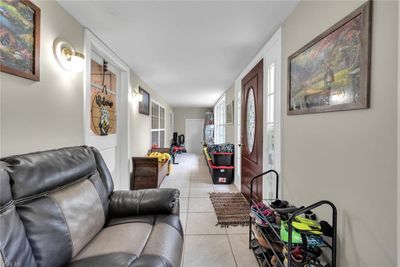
{"x":296,"y":237}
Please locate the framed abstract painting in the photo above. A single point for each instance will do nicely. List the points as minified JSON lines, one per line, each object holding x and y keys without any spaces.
{"x":229,"y":113}
{"x":332,"y":72}
{"x":20,"y":38}
{"x":144,"y":105}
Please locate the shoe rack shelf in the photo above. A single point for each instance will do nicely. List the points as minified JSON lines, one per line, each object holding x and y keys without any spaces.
{"x":270,"y":232}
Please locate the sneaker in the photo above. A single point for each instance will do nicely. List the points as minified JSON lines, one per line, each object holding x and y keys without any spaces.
{"x":256,"y":208}
{"x":296,"y":237}
{"x":277,"y":204}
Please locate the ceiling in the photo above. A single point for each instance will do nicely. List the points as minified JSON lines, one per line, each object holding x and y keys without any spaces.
{"x":189,"y":52}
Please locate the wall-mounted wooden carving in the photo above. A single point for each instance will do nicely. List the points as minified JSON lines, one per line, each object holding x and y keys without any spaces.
{"x":103,"y":117}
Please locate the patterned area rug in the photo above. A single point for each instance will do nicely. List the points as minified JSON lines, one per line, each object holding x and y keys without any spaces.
{"x":232,"y":209}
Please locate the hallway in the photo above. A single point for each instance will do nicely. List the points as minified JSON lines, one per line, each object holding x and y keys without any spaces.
{"x":206,"y":244}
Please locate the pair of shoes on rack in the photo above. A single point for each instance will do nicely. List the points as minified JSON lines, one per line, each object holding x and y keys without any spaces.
{"x":306,"y":225}
{"x":262,"y":214}
{"x":265,"y":218}
{"x":260,"y":237}
{"x":279,"y":204}
{"x":303,"y":257}
{"x":305,"y":238}
{"x":259,"y":207}
{"x":265,"y":255}
{"x":284,"y":234}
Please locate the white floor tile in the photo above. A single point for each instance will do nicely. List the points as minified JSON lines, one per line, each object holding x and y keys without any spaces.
{"x":202,"y":224}
{"x":183,"y":217}
{"x":201,"y":175}
{"x":244,"y":257}
{"x":183,"y":202}
{"x":175,"y":184}
{"x":225,"y":188}
{"x":208,"y":251}
{"x":200,"y":204}
{"x":184,"y":192}
{"x":201,"y":192}
{"x":201,"y":184}
{"x":237,"y":230}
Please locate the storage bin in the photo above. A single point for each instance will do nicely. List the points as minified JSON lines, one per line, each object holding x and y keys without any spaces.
{"x":222,"y":158}
{"x":221,"y":174}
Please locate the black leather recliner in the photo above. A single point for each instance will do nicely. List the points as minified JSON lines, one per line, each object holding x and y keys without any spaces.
{"x":58,"y":208}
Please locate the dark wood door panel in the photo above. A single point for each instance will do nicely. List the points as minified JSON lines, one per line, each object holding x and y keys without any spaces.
{"x":252,"y":95}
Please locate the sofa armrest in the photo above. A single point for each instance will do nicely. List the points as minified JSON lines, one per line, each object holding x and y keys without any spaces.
{"x":144,"y":202}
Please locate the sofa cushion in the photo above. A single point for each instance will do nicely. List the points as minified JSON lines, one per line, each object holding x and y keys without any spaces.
{"x":35,"y":173}
{"x":165,"y":243}
{"x":14,"y":245}
{"x":107,"y":260}
{"x":82,"y":210}
{"x":47,"y":231}
{"x":150,"y":219}
{"x":122,"y":238}
{"x":155,"y":240}
{"x":143,"y":202}
{"x":104,"y":172}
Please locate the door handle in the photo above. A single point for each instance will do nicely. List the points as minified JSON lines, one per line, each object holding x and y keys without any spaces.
{"x":239,"y":145}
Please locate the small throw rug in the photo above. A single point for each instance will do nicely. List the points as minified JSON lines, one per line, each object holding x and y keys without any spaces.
{"x":232,"y":209}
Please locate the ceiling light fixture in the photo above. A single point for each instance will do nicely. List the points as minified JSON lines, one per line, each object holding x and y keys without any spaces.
{"x":67,"y":57}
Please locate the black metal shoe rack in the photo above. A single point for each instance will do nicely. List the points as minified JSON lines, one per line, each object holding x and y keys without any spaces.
{"x":271,"y":233}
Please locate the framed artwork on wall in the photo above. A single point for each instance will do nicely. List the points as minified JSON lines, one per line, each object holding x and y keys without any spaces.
{"x":229,"y":113}
{"x":332,"y":72}
{"x":20,"y":39}
{"x":144,"y":105}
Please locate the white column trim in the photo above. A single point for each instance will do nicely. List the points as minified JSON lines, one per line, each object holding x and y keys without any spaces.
{"x":92,"y":42}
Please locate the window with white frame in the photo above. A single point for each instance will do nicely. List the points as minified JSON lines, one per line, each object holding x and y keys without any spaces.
{"x":271,"y":116}
{"x":157,"y":125}
{"x":219,"y":121}
{"x":171,"y":124}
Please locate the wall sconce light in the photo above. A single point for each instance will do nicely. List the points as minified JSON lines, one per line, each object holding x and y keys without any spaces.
{"x":67,"y":57}
{"x":136,"y":95}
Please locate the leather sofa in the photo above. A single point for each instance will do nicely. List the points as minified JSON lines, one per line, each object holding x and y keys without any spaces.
{"x":59,"y":208}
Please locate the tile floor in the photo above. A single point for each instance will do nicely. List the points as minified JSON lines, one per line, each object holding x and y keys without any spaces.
{"x":206,"y":245}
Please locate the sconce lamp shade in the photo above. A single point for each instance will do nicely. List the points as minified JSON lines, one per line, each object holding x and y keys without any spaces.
{"x":67,"y":57}
{"x":137,"y":96}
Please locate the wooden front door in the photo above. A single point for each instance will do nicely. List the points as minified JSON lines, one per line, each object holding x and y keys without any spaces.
{"x":252,"y":130}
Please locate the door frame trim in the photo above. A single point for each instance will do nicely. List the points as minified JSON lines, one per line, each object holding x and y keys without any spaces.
{"x":276,"y":39}
{"x":92,"y":42}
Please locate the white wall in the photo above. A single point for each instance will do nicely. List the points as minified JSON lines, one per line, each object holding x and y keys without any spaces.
{"x":46,"y":114}
{"x":348,"y":157}
{"x":398,"y":137}
{"x":181,"y":114}
{"x":140,"y":124}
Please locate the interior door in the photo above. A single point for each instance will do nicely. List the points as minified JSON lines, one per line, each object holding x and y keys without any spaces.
{"x":106,"y":138}
{"x":194,"y":135}
{"x":252,"y":130}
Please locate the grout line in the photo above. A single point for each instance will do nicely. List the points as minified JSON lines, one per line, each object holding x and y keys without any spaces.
{"x":230,"y":246}
{"x":239,"y":234}
{"x":184,"y":241}
{"x":203,"y":234}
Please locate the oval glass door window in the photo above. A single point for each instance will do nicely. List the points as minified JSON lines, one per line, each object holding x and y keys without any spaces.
{"x":251,"y":120}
